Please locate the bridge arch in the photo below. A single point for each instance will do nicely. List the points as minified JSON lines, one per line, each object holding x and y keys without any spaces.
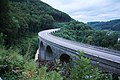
{"x":49,"y":53}
{"x":65,"y":58}
{"x":42,"y":51}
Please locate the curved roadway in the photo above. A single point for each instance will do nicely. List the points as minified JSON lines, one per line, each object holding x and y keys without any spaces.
{"x":112,"y":56}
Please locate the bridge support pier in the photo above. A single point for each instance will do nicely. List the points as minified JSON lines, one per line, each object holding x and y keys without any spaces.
{"x":115,"y":77}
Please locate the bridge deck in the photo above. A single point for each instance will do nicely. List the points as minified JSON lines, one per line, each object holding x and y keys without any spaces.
{"x":106,"y":54}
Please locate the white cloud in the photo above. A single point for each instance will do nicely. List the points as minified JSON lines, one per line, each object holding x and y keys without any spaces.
{"x":88,"y":10}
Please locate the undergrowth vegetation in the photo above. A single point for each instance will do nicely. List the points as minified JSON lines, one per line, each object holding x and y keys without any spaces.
{"x":17,"y":63}
{"x":14,"y":66}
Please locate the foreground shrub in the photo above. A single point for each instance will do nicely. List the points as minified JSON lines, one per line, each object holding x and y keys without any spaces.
{"x":32,"y":72}
{"x":16,"y":67}
{"x":83,"y":69}
{"x":28,"y":45}
{"x":53,"y":75}
{"x":10,"y":64}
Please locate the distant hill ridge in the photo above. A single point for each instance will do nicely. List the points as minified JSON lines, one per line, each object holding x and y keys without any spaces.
{"x":109,"y":25}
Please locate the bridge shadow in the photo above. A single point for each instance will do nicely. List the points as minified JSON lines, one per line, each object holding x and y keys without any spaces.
{"x":65,"y":58}
{"x":49,"y":53}
{"x":42,"y":52}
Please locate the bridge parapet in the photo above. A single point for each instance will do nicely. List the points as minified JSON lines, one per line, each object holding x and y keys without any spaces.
{"x":52,"y":47}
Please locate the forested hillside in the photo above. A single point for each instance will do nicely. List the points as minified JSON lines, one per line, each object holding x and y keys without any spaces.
{"x":20,"y":22}
{"x":81,"y":32}
{"x":109,"y":25}
{"x":27,"y":16}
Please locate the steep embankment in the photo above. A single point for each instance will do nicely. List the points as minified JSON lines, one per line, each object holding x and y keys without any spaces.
{"x":109,"y":25}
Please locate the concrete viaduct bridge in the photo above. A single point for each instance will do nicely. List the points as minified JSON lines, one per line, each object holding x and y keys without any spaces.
{"x":51,"y":47}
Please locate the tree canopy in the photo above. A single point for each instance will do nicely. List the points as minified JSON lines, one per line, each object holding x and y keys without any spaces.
{"x":21,"y":17}
{"x":109,"y":25}
{"x":83,"y":33}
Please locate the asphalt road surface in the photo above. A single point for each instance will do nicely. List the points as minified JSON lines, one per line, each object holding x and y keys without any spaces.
{"x":107,"y":54}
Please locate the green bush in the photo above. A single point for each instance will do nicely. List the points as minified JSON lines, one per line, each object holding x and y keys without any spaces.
{"x":53,"y":75}
{"x":32,"y":72}
{"x":15,"y":67}
{"x":83,"y":69}
{"x":11,"y":64}
{"x":117,"y":46}
{"x":28,"y":45}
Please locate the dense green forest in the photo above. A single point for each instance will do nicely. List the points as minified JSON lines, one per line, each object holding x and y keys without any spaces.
{"x":27,"y":16}
{"x":109,"y":25}
{"x":81,"y":32}
{"x":20,"y":21}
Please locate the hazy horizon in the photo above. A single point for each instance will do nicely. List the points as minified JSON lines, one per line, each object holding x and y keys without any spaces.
{"x":88,"y":10}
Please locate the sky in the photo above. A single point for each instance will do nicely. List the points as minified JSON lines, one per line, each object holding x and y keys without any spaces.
{"x":88,"y":10}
